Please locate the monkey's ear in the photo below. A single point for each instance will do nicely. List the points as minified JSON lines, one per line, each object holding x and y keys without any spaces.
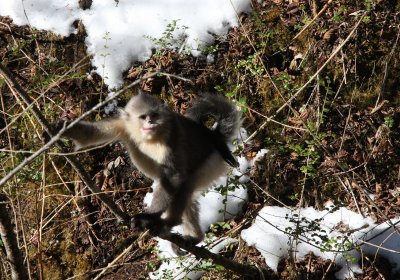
{"x":122,"y":113}
{"x":140,"y":91}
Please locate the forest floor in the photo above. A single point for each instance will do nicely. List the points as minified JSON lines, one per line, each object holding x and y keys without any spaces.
{"x":316,"y":80}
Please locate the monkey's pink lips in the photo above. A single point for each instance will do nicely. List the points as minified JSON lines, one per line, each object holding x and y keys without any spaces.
{"x":148,"y":128}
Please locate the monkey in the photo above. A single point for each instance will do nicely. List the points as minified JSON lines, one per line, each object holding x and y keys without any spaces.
{"x":180,"y":153}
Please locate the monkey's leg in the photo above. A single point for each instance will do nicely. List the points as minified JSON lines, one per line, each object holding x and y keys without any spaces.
{"x":191,"y":223}
{"x":151,"y":219}
{"x":179,"y":202}
{"x":161,"y":200}
{"x":191,"y":227}
{"x":166,"y":209}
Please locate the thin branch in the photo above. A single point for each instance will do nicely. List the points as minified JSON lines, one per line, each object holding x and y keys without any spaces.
{"x":7,"y":234}
{"x":113,"y":262}
{"x":61,"y":154}
{"x":86,"y":178}
{"x":290,"y":100}
{"x":201,"y":252}
{"x":313,"y":20}
{"x":176,"y":77}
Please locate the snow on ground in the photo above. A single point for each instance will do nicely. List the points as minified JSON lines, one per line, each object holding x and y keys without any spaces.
{"x":322,"y":232}
{"x":118,"y":34}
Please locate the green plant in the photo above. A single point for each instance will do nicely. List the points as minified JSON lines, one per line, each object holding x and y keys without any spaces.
{"x":366,"y":19}
{"x":389,"y":121}
{"x":220,"y":226}
{"x":232,"y":92}
{"x":312,"y":232}
{"x":104,"y":54}
{"x":210,"y":49}
{"x":338,"y":14}
{"x":309,"y":157}
{"x":252,"y":65}
{"x":285,"y":81}
{"x":173,"y":38}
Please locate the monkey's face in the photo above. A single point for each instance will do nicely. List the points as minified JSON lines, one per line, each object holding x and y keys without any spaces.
{"x":146,"y":118}
{"x":150,"y":124}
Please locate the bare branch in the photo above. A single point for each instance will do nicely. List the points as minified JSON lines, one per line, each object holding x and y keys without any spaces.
{"x":14,"y":86}
{"x":14,"y":256}
{"x":200,"y":252}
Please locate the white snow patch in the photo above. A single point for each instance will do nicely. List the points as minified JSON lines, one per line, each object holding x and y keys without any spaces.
{"x":117,"y":33}
{"x":55,"y":15}
{"x":341,"y":228}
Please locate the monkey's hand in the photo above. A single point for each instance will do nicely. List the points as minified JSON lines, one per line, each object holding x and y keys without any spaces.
{"x":64,"y":119}
{"x":55,"y":128}
{"x":151,"y":221}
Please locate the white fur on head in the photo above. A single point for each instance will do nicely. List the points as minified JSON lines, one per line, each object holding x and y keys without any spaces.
{"x":142,"y":105}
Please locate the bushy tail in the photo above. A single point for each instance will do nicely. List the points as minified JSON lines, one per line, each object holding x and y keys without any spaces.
{"x":217,"y":106}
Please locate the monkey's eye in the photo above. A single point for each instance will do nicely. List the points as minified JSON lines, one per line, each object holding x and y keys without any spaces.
{"x":142,"y":117}
{"x":154,"y":116}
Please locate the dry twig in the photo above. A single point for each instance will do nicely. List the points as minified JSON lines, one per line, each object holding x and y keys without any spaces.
{"x":14,"y":256}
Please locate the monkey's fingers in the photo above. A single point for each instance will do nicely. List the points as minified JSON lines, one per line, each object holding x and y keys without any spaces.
{"x":145,"y":221}
{"x":45,"y":135}
{"x":178,"y":250}
{"x":151,"y":221}
{"x":63,"y":120}
{"x":189,"y":241}
{"x":55,"y":128}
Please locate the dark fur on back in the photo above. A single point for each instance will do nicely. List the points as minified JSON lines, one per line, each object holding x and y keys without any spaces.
{"x":192,"y":142}
{"x":217,"y":106}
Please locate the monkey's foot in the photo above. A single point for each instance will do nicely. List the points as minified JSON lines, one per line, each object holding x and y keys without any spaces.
{"x":189,"y":241}
{"x":151,"y":221}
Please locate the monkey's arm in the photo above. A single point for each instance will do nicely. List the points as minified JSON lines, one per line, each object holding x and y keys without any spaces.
{"x":85,"y":134}
{"x":143,"y":162}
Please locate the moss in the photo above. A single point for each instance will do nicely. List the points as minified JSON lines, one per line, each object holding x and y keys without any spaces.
{"x":65,"y":260}
{"x":271,"y":100}
{"x":272,"y":15}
